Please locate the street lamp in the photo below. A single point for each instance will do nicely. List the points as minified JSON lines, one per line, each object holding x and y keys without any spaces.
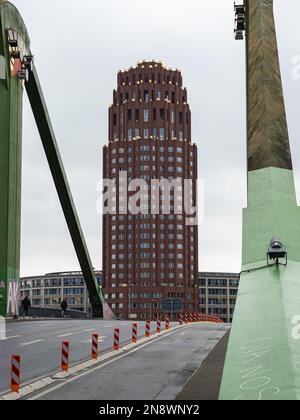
{"x":151,"y":303}
{"x":129,"y":299}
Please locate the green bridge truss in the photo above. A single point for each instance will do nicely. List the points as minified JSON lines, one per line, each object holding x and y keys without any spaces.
{"x":16,"y":72}
{"x":263,"y":357}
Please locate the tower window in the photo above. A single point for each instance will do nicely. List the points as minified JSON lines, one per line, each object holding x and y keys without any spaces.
{"x":146,"y":115}
{"x":154,"y":114}
{"x":162,"y":134}
{"x":173,"y":117}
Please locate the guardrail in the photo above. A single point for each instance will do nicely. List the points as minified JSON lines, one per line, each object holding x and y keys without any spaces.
{"x":53,"y":313}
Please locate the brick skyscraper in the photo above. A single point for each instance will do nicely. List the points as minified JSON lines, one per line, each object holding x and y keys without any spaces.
{"x":150,"y":259}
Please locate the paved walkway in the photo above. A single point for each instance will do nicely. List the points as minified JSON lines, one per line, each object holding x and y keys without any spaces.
{"x":206,"y":382}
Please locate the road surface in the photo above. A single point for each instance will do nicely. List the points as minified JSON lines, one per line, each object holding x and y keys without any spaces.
{"x":39,"y":344}
{"x":157,"y":370}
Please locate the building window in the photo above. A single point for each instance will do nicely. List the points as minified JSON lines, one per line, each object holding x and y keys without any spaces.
{"x":162,"y":134}
{"x":173,"y":117}
{"x":146,"y":133}
{"x":146,"y":115}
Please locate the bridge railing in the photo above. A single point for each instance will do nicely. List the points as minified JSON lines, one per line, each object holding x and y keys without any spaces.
{"x":53,"y":313}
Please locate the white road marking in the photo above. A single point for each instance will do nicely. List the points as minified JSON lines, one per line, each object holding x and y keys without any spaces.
{"x":46,"y":325}
{"x":11,"y":337}
{"x":100,"y":339}
{"x":31,"y":342}
{"x":75,"y":333}
{"x":65,"y":335}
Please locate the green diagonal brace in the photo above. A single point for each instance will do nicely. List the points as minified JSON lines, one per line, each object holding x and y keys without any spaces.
{"x":43,"y":122}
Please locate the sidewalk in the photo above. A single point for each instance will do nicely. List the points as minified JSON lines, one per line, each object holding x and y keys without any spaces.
{"x":206,"y":382}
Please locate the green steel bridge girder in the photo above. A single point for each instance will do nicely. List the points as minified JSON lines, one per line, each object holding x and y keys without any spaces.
{"x":263,"y":357}
{"x":11,"y":92}
{"x":44,"y":125}
{"x":11,"y":104}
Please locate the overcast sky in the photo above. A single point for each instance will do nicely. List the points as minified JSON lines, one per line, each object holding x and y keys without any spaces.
{"x":79,"y":46}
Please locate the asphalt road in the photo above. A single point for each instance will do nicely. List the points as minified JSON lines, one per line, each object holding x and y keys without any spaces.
{"x":39,"y":344}
{"x":157,"y":370}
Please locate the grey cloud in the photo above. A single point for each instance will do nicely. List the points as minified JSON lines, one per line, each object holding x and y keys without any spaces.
{"x":79,"y":48}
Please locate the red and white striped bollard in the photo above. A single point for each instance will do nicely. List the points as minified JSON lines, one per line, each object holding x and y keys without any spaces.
{"x":158,"y":326}
{"x":167,"y":323}
{"x":95,"y":346}
{"x":65,"y":350}
{"x":134,"y":332}
{"x":148,"y":328}
{"x":117,"y":339}
{"x":15,"y":373}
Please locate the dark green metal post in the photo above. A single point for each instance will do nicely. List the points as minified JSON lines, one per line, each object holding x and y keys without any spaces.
{"x":11,"y":93}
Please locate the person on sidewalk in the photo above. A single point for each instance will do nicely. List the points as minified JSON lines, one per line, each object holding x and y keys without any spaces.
{"x":64,"y":307}
{"x":26,"y":304}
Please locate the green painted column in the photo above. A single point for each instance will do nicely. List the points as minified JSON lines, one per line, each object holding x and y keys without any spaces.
{"x":263,"y":357}
{"x":11,"y":93}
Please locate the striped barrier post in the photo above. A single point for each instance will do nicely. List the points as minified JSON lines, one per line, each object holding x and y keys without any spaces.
{"x":191,"y":317}
{"x":195,"y":317}
{"x":65,"y":350}
{"x":167,"y":323}
{"x":199,"y":317}
{"x":95,"y":346}
{"x":134,"y":332}
{"x":180,"y":319}
{"x":117,"y":339}
{"x":186,"y":317}
{"x":158,"y":326}
{"x":15,"y":373}
{"x":148,"y":329}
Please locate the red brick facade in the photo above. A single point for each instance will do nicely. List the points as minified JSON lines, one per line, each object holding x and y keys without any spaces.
{"x":149,"y":258}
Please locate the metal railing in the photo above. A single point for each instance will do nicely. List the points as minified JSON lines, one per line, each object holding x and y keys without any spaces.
{"x":53,"y":313}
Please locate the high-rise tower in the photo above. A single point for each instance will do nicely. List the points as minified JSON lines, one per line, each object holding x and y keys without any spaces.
{"x":150,"y":259}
